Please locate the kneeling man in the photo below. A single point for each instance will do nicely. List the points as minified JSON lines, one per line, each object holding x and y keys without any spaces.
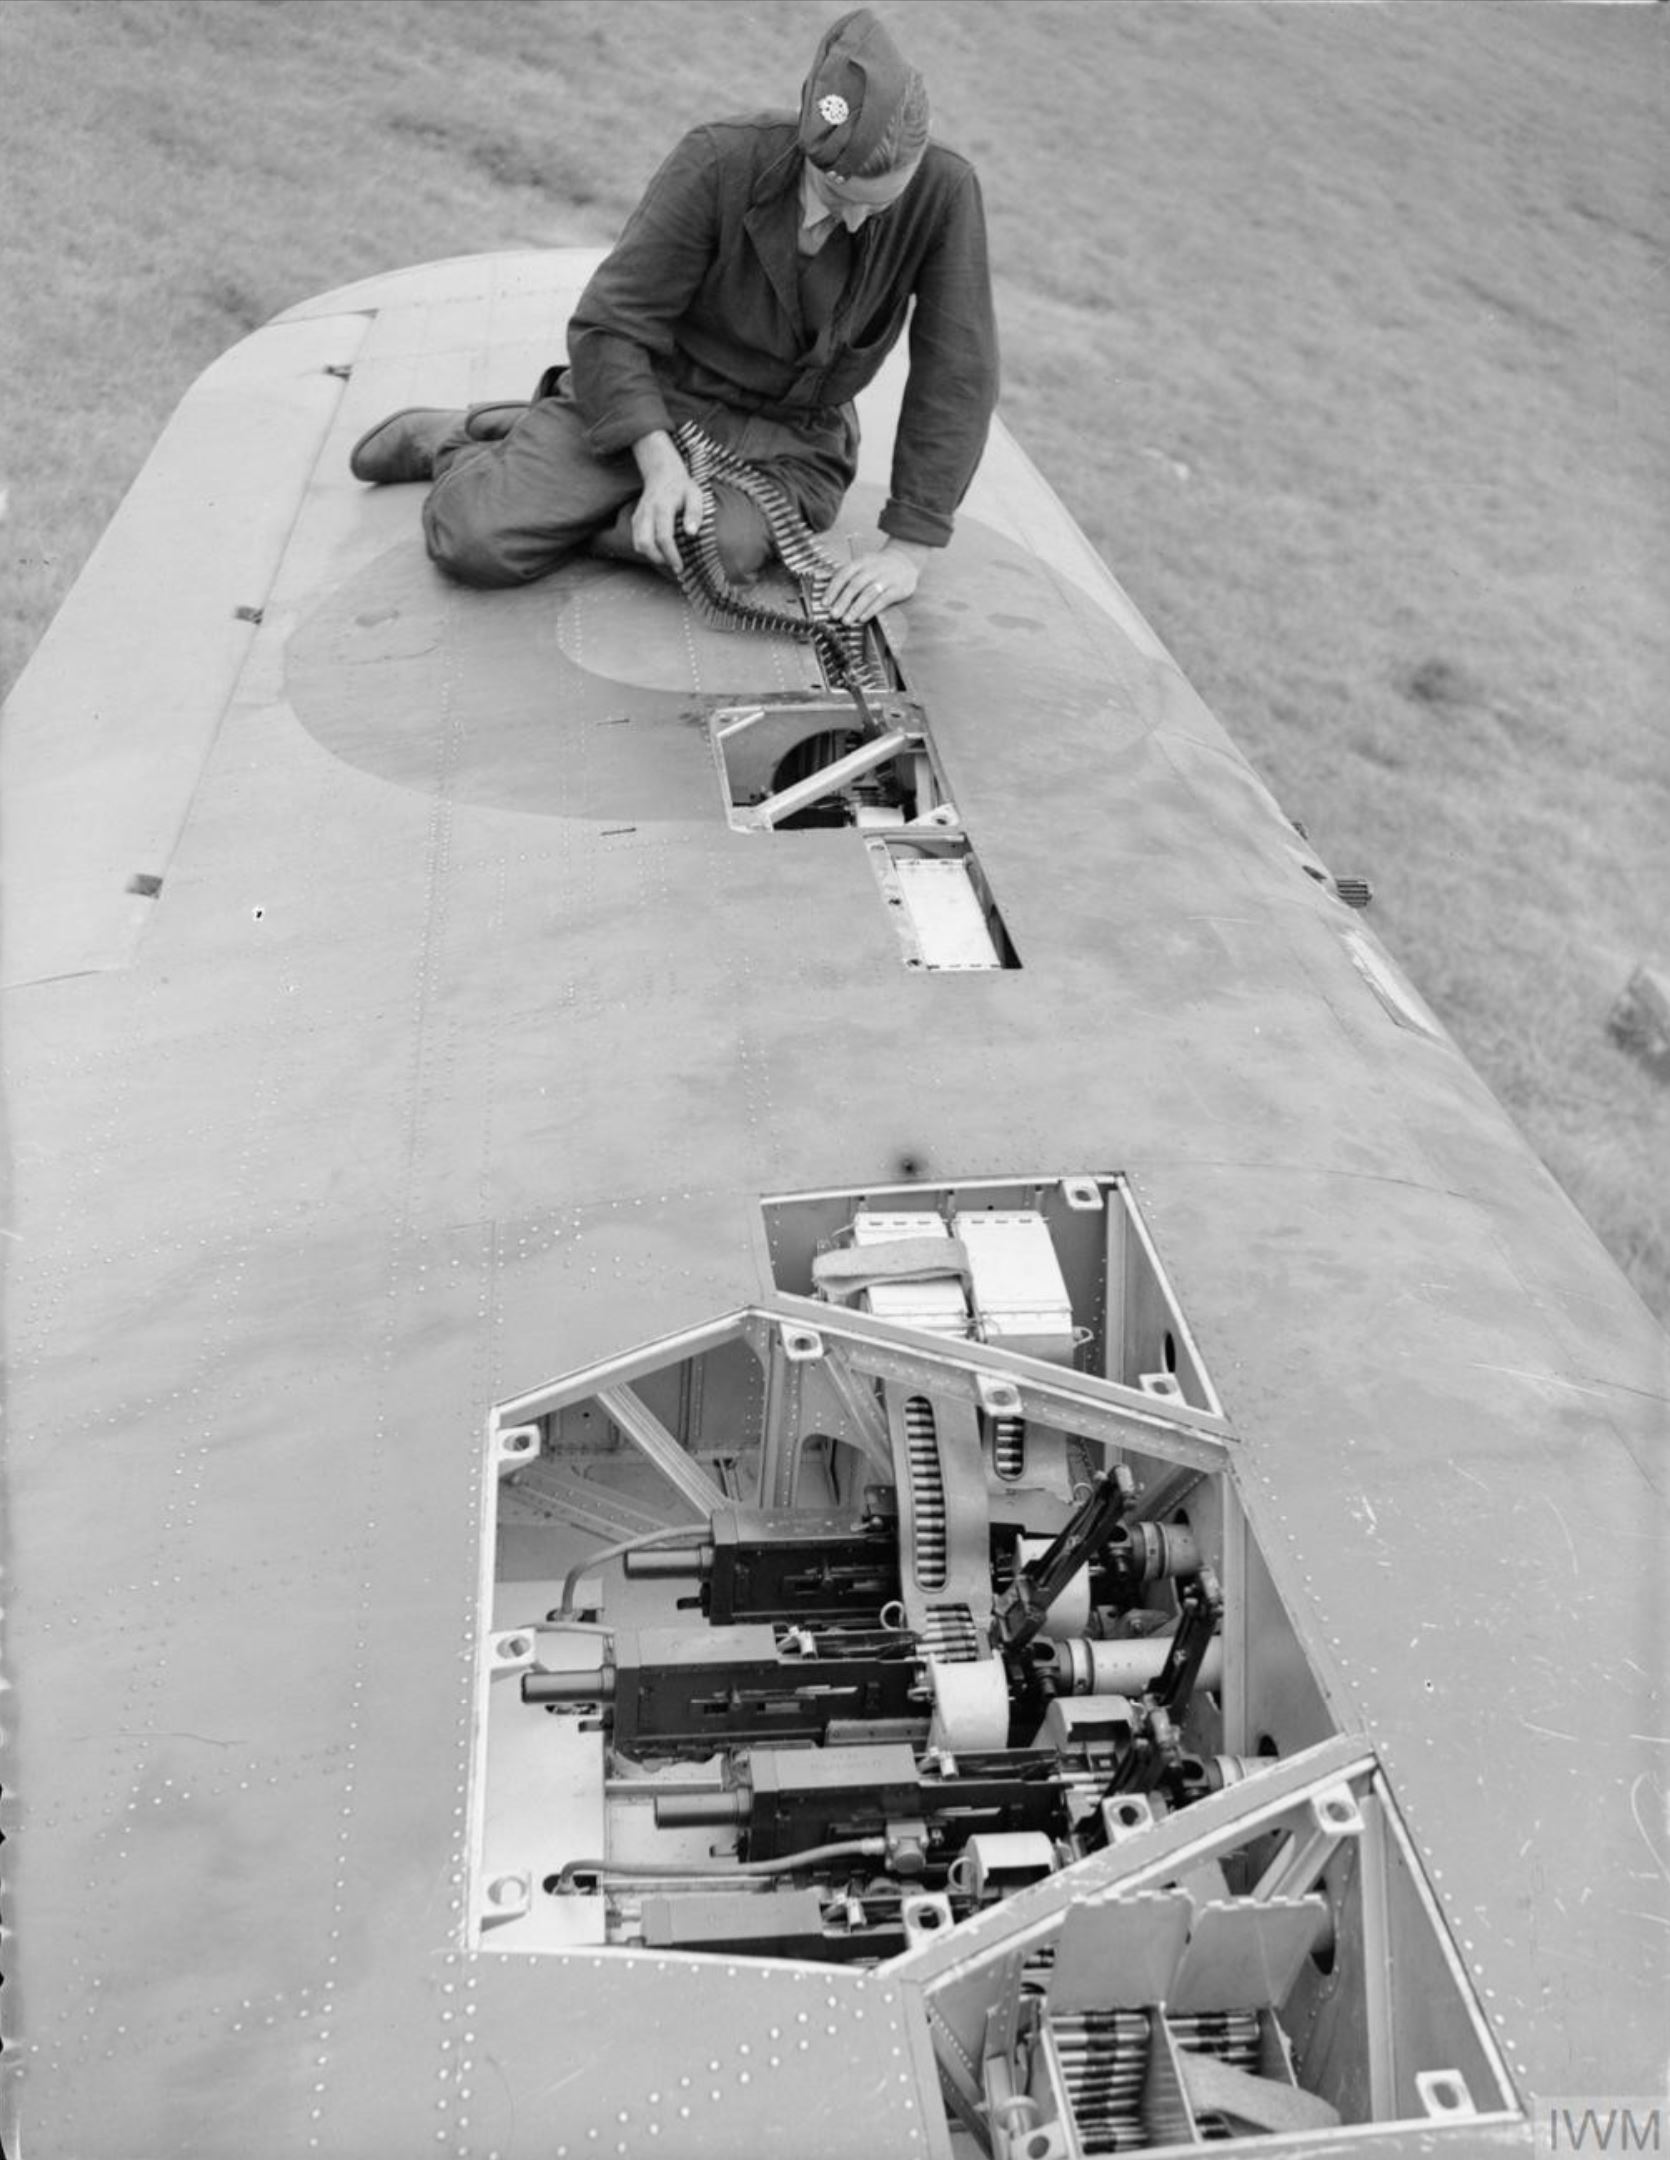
{"x":757,"y":288}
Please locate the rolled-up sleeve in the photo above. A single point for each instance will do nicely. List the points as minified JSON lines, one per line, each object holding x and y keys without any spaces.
{"x":951,"y":392}
{"x":627,"y":312}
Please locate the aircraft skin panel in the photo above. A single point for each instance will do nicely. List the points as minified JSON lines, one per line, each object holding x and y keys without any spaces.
{"x":458,"y":1051}
{"x":552,"y":278}
{"x":1532,"y":1479}
{"x":109,"y":726}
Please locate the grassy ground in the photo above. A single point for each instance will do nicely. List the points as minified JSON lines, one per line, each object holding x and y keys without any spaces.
{"x":1342,"y":331}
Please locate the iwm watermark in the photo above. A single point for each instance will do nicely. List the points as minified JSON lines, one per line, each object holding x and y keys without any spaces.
{"x":1585,"y":2123}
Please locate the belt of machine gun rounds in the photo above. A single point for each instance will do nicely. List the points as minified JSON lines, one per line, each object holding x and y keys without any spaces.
{"x":840,"y":646}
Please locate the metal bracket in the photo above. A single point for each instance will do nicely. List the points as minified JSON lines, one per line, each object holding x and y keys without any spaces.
{"x":998,"y":1398}
{"x":1333,"y":1816}
{"x":512,"y":1653}
{"x":1126,"y":1817}
{"x":1444,"y":2095}
{"x":647,"y":1433}
{"x":763,"y":816}
{"x":506,"y":1897}
{"x":514,"y":1447}
{"x":927,"y":1916}
{"x":1025,"y":1604}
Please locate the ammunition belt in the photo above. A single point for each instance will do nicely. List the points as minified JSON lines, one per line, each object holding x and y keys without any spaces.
{"x":840,"y":646}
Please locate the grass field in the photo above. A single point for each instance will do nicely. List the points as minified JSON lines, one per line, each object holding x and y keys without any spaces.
{"x":1343,"y":331}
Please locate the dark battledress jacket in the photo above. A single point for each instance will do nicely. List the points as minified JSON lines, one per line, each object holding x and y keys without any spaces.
{"x":704,"y":300}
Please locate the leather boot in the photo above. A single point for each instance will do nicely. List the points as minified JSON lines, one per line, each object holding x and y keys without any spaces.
{"x":614,"y":542}
{"x":403,"y":446}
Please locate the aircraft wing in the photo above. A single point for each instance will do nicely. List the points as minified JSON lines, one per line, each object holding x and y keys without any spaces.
{"x":464,"y":1114}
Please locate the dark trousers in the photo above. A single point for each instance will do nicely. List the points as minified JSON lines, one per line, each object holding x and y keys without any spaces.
{"x":504,"y":512}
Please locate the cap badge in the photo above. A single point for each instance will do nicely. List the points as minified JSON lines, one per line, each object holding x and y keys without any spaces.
{"x":833,"y":109}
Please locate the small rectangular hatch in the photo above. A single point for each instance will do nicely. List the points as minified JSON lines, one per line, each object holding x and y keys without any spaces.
{"x":941,"y":906}
{"x":811,"y":764}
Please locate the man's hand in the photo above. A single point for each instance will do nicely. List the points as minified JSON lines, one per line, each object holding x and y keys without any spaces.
{"x":860,"y":589}
{"x":671,"y":500}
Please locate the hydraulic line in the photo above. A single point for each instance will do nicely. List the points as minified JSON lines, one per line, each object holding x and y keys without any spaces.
{"x":571,"y":1581}
{"x":840,"y":646}
{"x":869,"y":1848}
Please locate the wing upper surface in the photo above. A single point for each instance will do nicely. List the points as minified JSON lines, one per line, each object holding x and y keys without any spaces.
{"x":458,"y":1048}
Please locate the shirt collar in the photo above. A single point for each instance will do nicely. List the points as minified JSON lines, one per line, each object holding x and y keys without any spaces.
{"x":817,"y":220}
